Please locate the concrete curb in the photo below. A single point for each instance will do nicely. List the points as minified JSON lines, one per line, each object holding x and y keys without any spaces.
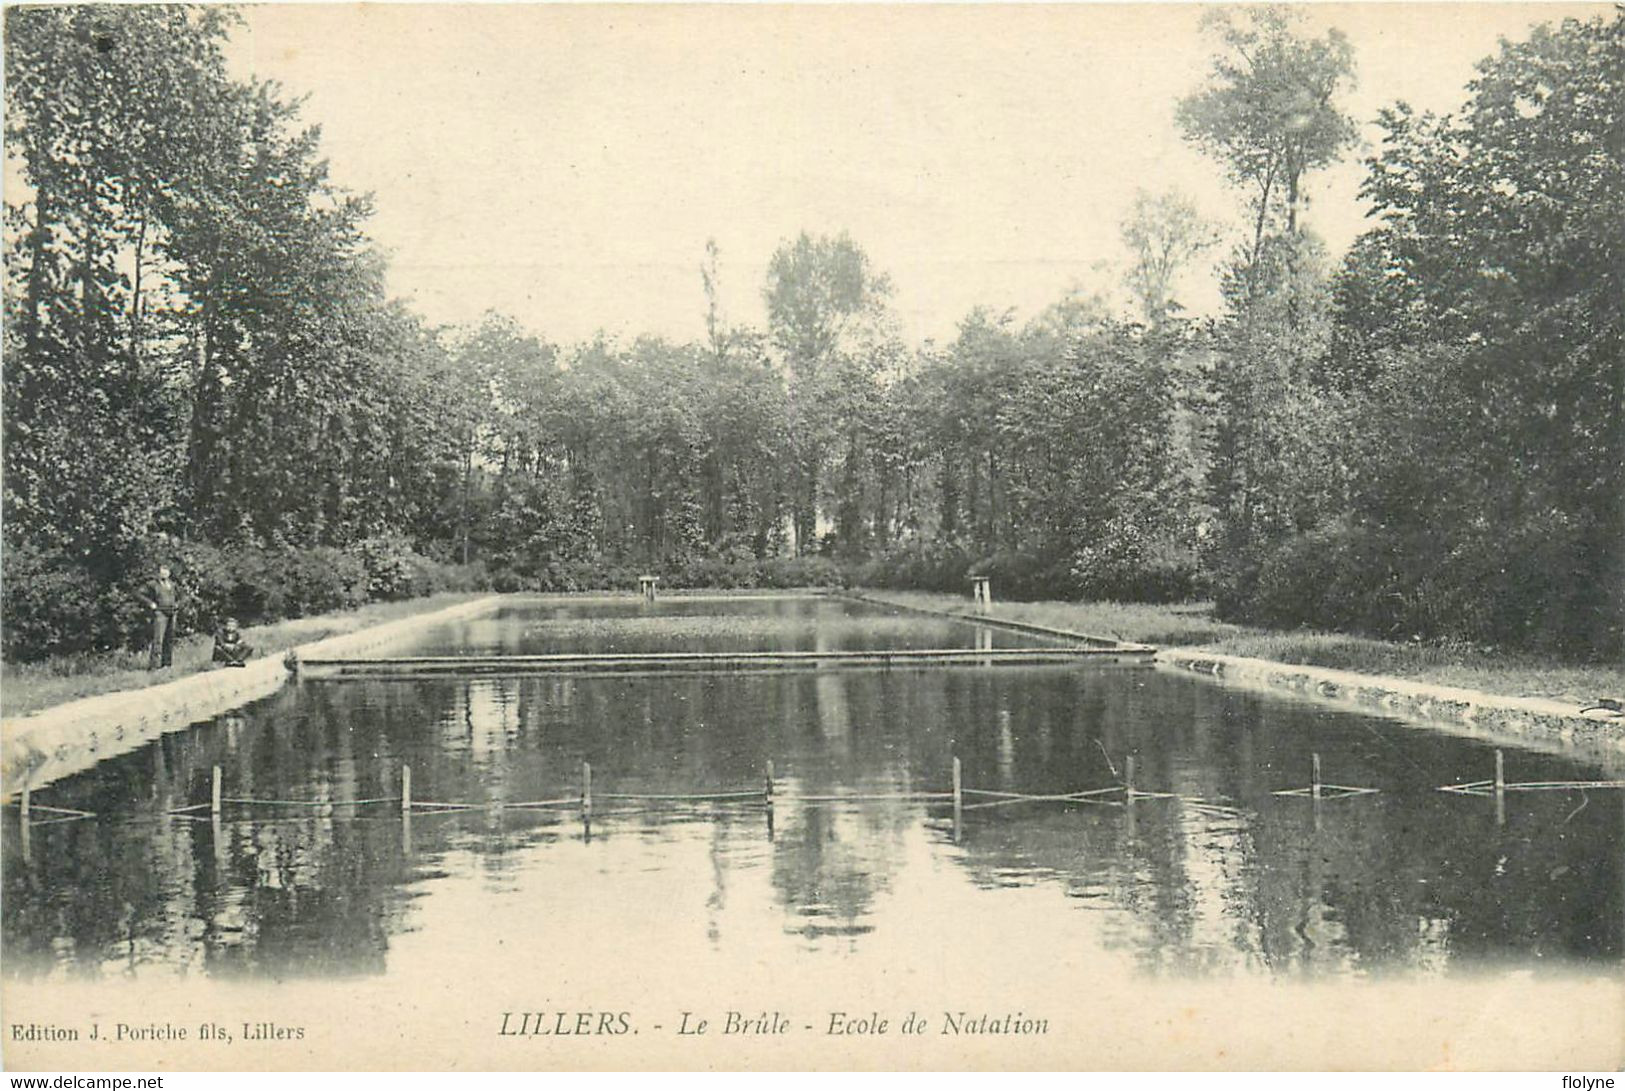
{"x":1528,"y":721}
{"x":69,"y":738}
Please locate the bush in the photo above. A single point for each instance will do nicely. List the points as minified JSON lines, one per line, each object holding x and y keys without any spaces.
{"x":321,"y":579}
{"x":811,"y":571}
{"x":441,"y":576}
{"x":1120,"y":570}
{"x":506,"y":581}
{"x":1023,"y":576}
{"x":1529,"y":586}
{"x":733,"y":568}
{"x":53,"y":605}
{"x":394,"y":570}
{"x":1506,"y":587}
{"x":919,"y":566}
{"x":50,"y":605}
{"x":1303,"y":582}
{"x":212,"y":587}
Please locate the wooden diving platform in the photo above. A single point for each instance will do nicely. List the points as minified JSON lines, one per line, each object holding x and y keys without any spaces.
{"x":578,"y":662}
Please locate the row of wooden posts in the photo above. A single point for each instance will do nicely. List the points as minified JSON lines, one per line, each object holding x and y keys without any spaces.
{"x":768,"y":782}
{"x":957,"y":795}
{"x":1317,"y":790}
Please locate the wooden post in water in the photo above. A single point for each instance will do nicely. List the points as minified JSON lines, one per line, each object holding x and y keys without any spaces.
{"x":768,"y":788}
{"x":406,"y":809}
{"x":217,"y":831}
{"x":982,"y":594}
{"x":1314,"y":775}
{"x":586,"y":789}
{"x":1500,"y":789}
{"x":959,"y":795}
{"x":1128,"y":779}
{"x":23,"y":806}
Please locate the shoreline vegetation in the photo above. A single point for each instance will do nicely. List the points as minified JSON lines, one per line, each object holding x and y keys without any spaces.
{"x":27,"y":688}
{"x":1192,"y":625}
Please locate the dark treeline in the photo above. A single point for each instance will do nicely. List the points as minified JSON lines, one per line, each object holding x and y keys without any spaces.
{"x":1422,"y":439}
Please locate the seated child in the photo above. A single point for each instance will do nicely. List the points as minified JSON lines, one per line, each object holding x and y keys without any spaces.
{"x":228,"y":645}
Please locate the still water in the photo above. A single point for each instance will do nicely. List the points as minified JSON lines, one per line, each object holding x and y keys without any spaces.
{"x":735,"y":624}
{"x":1406,"y":881}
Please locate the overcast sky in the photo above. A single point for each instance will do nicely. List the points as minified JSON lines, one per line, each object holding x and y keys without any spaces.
{"x":566,"y":164}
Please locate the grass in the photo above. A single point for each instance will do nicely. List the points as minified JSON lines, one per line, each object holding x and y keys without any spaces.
{"x":29,"y":687}
{"x":1513,"y":674}
{"x":1140,"y":623}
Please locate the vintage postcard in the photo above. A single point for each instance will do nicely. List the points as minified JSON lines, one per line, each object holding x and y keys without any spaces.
{"x":850,"y":536}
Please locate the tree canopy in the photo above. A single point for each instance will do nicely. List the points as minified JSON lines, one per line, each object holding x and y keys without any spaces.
{"x":1269,"y":112}
{"x":1424,"y":437}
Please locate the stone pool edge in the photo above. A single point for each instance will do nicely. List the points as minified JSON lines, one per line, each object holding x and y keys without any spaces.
{"x":1533,"y":720}
{"x":1125,"y":646}
{"x":55,"y":742}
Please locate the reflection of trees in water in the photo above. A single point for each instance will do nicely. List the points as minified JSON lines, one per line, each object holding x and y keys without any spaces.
{"x":671,"y":625}
{"x":275,"y":891}
{"x":120,"y":900}
{"x":1171,"y":902}
{"x":830,"y":863}
{"x":1409,"y":879}
{"x":1405,"y":879}
{"x":291,"y":896}
{"x":851,"y":733}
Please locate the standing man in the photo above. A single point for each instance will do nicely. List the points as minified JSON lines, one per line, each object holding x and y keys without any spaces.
{"x":161,"y":598}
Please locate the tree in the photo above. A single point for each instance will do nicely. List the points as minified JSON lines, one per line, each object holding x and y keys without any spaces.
{"x":198,"y":343}
{"x":1097,"y":485}
{"x":716,"y":332}
{"x":820,"y":294}
{"x":1500,"y":267}
{"x":817,"y":290}
{"x":1164,"y":233}
{"x":1270,"y":471}
{"x":280,"y":288}
{"x":108,"y":113}
{"x":1269,"y":112}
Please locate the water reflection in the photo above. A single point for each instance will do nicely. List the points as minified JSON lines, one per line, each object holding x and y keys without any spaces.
{"x":1408,"y":880}
{"x":750,"y":624}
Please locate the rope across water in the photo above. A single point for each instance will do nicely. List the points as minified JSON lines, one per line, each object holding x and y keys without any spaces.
{"x":772,"y":793}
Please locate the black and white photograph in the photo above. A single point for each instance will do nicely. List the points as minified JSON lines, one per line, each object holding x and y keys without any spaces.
{"x":831,"y":536}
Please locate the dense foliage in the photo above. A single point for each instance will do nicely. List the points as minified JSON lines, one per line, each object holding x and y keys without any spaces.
{"x":1477,"y":352}
{"x":1424,"y":439}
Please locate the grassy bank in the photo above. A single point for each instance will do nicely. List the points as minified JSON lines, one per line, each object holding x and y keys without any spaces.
{"x":29,"y":687}
{"x":1513,"y":674}
{"x":1141,"y":623}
